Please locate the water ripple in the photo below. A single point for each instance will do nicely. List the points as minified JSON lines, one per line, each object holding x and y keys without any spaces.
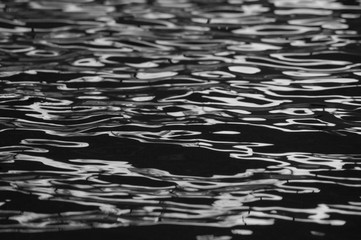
{"x":234,"y":115}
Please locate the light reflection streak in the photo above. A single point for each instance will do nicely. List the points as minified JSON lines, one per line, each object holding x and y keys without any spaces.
{"x":235,"y":97}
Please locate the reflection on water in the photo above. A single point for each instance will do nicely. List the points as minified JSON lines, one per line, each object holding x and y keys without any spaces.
{"x":240,"y":115}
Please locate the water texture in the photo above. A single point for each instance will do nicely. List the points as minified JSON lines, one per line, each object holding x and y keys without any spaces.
{"x":236,"y":119}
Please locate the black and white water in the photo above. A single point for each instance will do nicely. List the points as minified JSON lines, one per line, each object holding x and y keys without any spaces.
{"x":180,"y":119}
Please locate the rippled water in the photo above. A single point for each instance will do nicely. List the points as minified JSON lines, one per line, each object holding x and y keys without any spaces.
{"x":160,"y":119}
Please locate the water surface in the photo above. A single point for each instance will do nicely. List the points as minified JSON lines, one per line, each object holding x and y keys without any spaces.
{"x":160,"y":119}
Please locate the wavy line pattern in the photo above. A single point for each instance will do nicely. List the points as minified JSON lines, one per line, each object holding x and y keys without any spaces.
{"x":240,"y":115}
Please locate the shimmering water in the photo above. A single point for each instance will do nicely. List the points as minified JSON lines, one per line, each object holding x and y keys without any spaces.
{"x":177,"y":119}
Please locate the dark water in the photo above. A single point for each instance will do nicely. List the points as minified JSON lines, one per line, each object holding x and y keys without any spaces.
{"x":160,"y":119}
